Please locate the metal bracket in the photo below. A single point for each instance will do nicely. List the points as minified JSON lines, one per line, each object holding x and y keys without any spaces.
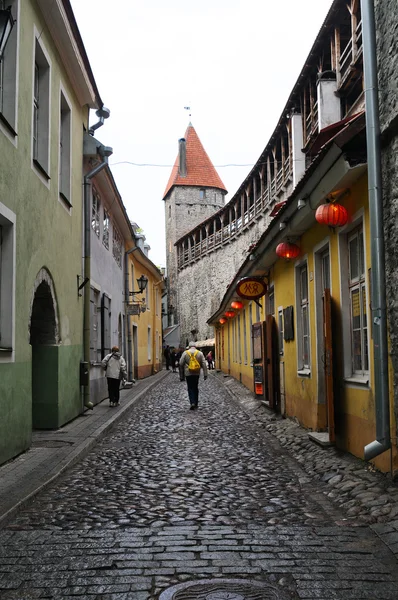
{"x":80,"y":286}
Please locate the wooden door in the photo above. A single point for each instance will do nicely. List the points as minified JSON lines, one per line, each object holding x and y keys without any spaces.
{"x":258,"y":337}
{"x":272,"y":363}
{"x":328,"y":362}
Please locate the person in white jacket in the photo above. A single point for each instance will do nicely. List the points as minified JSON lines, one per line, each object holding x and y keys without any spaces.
{"x":115,"y":370}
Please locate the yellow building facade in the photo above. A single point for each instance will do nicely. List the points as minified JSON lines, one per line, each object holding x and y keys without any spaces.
{"x":316,"y":354}
{"x":144,"y":315}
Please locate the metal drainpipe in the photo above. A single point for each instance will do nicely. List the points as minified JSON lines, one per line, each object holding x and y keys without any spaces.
{"x":105,"y":151}
{"x":379,"y":311}
{"x":126,"y":292}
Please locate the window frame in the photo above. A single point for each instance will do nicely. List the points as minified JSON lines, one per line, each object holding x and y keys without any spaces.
{"x":303,"y":319}
{"x":9,"y":67}
{"x":351,"y":376}
{"x":117,"y":246}
{"x":106,"y":223}
{"x":41,"y":109}
{"x":96,"y":212}
{"x":7,"y":283}
{"x":65,"y":148}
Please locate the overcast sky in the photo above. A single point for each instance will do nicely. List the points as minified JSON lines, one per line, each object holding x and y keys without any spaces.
{"x":234,"y":62}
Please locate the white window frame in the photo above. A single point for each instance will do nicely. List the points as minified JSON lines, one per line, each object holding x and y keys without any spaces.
{"x":239,"y":340}
{"x":117,"y":246}
{"x":281,"y":345}
{"x":9,"y":66}
{"x":244,"y":336}
{"x":65,"y":148}
{"x":95,"y":212}
{"x":106,"y":225}
{"x":250,"y":330}
{"x":271,"y":300}
{"x":303,"y":319}
{"x":148,"y":295}
{"x":7,"y":284}
{"x":41,"y":109}
{"x":157,"y":346}
{"x":149,"y":343}
{"x":352,"y":377}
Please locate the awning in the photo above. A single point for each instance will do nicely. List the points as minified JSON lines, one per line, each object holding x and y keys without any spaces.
{"x":205,"y":343}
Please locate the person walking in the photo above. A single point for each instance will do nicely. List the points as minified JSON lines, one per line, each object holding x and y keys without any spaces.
{"x":114,"y":366}
{"x":167,"y":357}
{"x":191,"y":362}
{"x":209,"y":359}
{"x":173,"y":359}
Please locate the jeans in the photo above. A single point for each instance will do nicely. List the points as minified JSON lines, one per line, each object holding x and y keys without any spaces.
{"x":193,"y":388}
{"x":113,"y":389}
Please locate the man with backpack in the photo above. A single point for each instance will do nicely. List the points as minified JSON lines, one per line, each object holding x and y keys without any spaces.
{"x":191,"y":361}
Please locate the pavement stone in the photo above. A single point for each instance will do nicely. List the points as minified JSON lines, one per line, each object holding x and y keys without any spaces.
{"x":165,"y":495}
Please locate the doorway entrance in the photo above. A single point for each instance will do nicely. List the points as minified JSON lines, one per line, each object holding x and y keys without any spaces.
{"x":44,"y":340}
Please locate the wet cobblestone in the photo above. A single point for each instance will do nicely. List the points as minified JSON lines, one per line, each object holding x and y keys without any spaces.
{"x":171,"y":495}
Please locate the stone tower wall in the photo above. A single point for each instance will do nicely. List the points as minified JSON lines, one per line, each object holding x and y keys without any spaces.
{"x":184,"y":209}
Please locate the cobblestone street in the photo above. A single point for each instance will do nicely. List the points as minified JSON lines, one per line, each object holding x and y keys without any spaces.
{"x":171,"y":495}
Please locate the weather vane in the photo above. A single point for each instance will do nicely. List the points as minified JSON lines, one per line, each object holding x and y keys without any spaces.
{"x":188,"y":108}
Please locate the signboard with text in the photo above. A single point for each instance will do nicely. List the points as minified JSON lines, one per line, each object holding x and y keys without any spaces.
{"x":251,"y":288}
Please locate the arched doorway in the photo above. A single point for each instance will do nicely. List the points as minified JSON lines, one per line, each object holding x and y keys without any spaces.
{"x":44,"y":339}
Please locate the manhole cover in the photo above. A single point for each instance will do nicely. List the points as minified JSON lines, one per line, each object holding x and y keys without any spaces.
{"x":223,"y":589}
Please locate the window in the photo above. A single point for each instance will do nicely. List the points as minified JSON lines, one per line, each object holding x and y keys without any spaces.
{"x":325,"y":270}
{"x":117,"y":247}
{"x":149,"y":343}
{"x":95,"y":213}
{"x":7,"y":284}
{"x":95,"y":350}
{"x":251,"y":329}
{"x":8,"y":73}
{"x":169,"y":212}
{"x":157,"y":347}
{"x":41,"y":110}
{"x":239,"y":341}
{"x":106,"y":325}
{"x":303,"y":330}
{"x":65,"y":150}
{"x":105,"y":230}
{"x":258,"y":317}
{"x":280,"y":329}
{"x":202,"y":193}
{"x":357,"y":294}
{"x":244,"y":338}
{"x":271,"y":301}
{"x":148,"y":295}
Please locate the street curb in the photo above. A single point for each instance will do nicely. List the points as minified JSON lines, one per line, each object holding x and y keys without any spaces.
{"x":80,"y":450}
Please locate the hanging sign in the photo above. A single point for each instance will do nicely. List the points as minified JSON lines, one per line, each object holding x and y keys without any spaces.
{"x":251,"y":288}
{"x":133,"y":309}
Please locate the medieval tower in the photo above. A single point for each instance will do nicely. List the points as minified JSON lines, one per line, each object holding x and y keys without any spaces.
{"x":193,"y":193}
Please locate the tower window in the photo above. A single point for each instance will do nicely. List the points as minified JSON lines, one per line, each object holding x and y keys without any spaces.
{"x":202,"y":193}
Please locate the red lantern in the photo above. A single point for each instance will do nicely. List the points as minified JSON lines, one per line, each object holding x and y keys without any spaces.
{"x":287,"y":250}
{"x":229,"y":314}
{"x":237,"y":305}
{"x":333,"y":215}
{"x":222,"y":320}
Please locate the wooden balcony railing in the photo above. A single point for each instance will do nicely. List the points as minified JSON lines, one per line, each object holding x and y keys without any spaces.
{"x":256,"y":208}
{"x":351,"y":53}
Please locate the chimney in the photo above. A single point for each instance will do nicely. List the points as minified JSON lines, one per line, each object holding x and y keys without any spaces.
{"x":182,"y":153}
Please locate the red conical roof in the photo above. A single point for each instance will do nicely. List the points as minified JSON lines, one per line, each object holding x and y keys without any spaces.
{"x":200,"y":170}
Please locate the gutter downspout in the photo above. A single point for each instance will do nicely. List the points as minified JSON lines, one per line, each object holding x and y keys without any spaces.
{"x":104,"y":152}
{"x":379,"y":311}
{"x":126,"y":293}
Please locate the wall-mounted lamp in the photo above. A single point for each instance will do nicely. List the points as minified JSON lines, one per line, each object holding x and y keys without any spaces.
{"x":6,"y":25}
{"x":282,"y":225}
{"x":301,"y":203}
{"x":142,"y":283}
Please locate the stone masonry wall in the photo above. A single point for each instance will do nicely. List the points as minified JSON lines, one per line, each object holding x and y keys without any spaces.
{"x":184,"y":209}
{"x":387,"y":49}
{"x":202,"y":285}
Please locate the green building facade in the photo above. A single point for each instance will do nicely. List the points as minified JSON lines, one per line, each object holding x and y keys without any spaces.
{"x":47,"y":90}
